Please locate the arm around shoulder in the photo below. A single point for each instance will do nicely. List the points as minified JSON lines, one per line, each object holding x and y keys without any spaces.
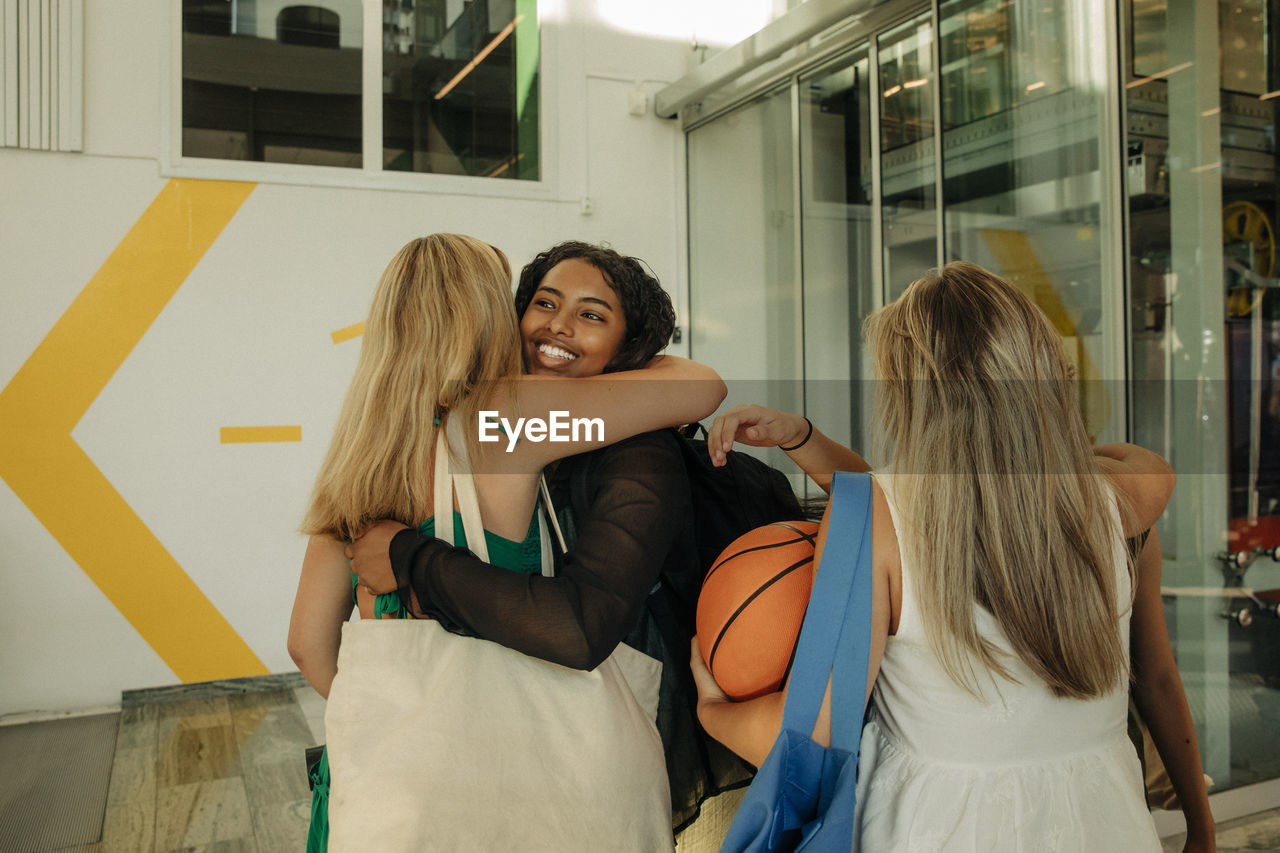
{"x":670,"y":392}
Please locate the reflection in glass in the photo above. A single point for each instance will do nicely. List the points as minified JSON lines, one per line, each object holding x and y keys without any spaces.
{"x":907,"y":167}
{"x":1247,"y":56}
{"x":1021,"y":140}
{"x":836,"y":197}
{"x":460,"y":87}
{"x":270,"y":84}
{"x":998,"y":54}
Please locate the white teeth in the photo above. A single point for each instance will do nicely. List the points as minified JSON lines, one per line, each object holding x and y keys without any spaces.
{"x":555,"y":352}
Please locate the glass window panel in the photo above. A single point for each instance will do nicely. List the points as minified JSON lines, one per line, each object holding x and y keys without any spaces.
{"x":839,"y":283}
{"x":460,"y":87}
{"x":743,"y":294}
{"x":1205,"y":348}
{"x":907,"y":166}
{"x":1022,"y":128}
{"x":262,"y":82}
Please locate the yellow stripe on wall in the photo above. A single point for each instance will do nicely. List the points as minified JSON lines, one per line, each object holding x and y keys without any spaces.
{"x":353,"y":331}
{"x":248,"y":435}
{"x":59,"y":483}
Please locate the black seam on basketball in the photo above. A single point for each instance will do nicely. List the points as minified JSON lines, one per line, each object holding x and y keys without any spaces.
{"x":786,"y":673}
{"x":803,"y":538}
{"x":809,"y":537}
{"x":715,"y":647}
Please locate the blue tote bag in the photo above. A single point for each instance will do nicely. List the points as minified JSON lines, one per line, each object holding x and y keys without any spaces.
{"x":803,"y":797}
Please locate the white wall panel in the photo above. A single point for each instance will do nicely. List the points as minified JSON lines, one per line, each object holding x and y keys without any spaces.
{"x":124,"y":52}
{"x":245,"y":340}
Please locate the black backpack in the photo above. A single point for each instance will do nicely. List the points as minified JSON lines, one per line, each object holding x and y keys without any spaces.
{"x":727,"y":502}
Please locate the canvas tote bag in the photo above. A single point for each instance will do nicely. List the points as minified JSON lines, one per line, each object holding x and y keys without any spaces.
{"x":443,"y":742}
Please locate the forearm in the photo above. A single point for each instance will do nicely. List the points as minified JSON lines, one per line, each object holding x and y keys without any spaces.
{"x":760,"y":426}
{"x":639,"y":504}
{"x":319,"y":672}
{"x":541,"y":617}
{"x":1163,"y":705}
{"x":747,"y":728}
{"x":1158,"y":694}
{"x":820,"y":457}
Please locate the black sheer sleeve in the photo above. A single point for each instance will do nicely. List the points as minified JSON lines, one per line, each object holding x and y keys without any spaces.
{"x":639,"y":504}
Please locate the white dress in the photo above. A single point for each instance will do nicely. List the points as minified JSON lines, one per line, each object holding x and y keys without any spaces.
{"x":1017,"y":770}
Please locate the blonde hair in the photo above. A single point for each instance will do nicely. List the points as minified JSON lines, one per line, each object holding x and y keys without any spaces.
{"x":976,"y":394}
{"x":442,"y":330}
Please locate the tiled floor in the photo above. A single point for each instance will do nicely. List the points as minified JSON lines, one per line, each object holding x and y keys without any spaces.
{"x":223,"y":772}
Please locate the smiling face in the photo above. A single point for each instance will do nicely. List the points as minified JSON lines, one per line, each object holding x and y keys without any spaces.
{"x":574,"y":322}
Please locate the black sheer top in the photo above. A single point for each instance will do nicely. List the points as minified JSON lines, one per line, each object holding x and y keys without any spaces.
{"x":638,"y":495}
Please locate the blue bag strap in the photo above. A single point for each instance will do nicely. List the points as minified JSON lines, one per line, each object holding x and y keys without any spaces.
{"x":853,"y":651}
{"x":822,"y":639}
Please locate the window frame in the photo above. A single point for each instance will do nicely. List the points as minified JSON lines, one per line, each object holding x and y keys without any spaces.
{"x":370,"y":175}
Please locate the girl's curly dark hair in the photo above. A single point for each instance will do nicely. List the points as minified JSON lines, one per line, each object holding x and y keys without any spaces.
{"x":646,"y":307}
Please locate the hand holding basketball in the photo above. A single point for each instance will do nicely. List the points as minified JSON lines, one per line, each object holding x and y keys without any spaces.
{"x":708,"y":690}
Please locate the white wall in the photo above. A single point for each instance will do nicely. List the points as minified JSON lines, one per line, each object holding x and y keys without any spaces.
{"x":245,"y":340}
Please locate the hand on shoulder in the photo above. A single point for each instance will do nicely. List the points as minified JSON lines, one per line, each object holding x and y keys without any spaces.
{"x":1143,"y":478}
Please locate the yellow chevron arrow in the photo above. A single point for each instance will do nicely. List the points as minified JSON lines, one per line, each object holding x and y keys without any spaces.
{"x":62,"y":487}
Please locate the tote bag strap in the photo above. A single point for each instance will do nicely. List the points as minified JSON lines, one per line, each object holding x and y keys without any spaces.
{"x":442,"y":490}
{"x":824,"y":643}
{"x":448,"y":480}
{"x":456,"y":477}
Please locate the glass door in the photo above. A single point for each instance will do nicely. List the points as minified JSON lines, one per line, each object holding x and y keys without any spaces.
{"x":837,"y":216}
{"x":908,"y":159}
{"x":744,"y":299}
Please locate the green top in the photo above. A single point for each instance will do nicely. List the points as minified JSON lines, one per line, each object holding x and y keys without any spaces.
{"x":524,"y":557}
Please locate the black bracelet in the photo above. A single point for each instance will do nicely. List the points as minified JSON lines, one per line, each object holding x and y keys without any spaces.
{"x":807,"y":435}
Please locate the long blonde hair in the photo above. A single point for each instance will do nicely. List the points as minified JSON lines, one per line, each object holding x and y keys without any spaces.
{"x":442,"y":330}
{"x":976,"y":394}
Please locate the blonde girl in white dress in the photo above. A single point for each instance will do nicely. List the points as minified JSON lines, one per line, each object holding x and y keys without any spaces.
{"x":1005,"y":603}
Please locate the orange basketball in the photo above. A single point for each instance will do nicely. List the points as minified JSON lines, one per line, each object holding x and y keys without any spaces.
{"x":752,"y":606}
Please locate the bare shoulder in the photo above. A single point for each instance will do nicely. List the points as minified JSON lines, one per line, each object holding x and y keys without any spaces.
{"x":885,"y":554}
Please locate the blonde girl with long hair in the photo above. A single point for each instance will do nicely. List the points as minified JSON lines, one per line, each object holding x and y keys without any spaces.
{"x":1005,"y":602}
{"x":441,"y":344}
